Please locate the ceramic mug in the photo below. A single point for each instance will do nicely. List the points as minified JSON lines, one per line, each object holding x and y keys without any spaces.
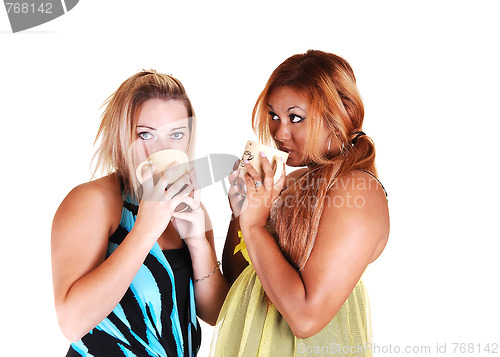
{"x":162,"y":161}
{"x":252,"y":154}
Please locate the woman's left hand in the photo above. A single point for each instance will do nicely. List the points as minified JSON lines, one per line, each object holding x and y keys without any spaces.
{"x":261,"y":193}
{"x":190,"y":224}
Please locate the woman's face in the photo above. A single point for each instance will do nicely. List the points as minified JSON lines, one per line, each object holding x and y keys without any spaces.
{"x":288,"y":112}
{"x":161,"y":125}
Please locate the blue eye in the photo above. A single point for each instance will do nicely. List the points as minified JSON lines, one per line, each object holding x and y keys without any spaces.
{"x":178,"y":135}
{"x":294,"y":118}
{"x":145,"y":135}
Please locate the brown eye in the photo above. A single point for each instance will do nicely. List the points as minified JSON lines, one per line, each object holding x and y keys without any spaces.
{"x":274,"y":116}
{"x":294,"y":118}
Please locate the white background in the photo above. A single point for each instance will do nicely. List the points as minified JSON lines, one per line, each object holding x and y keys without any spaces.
{"x":429,"y":75}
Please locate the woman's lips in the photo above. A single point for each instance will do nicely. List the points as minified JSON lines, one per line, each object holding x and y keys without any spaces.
{"x":287,"y":150}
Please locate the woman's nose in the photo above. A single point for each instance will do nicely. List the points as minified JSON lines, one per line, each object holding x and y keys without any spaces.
{"x":162,"y":143}
{"x":283,"y":132}
{"x":152,"y":147}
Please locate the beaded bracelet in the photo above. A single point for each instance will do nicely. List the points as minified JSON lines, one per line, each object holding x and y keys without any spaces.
{"x":209,"y":274}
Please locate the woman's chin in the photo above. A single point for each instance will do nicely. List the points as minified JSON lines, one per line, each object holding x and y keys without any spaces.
{"x":293,"y":163}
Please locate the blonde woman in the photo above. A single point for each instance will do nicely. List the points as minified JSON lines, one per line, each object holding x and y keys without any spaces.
{"x":297,"y":249}
{"x":130,"y":272}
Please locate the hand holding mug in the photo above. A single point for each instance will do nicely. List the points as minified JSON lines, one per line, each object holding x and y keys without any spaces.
{"x":175,"y":161}
{"x":190,"y":224}
{"x":273,"y":156}
{"x":237,"y":191}
{"x":272,"y":161}
{"x":157,"y":204}
{"x":262,"y":190}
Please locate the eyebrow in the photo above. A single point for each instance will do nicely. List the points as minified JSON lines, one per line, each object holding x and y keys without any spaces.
{"x":181,"y":127}
{"x":148,"y":127}
{"x":292,"y":107}
{"x":296,"y":106}
{"x":151,"y":128}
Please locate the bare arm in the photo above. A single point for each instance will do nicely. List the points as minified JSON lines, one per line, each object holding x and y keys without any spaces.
{"x":233,"y":264}
{"x":349,"y":238}
{"x":211,"y":290}
{"x":195,"y":228}
{"x":81,"y":274}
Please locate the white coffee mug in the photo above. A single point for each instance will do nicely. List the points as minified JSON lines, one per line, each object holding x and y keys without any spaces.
{"x":252,"y":154}
{"x":162,"y":161}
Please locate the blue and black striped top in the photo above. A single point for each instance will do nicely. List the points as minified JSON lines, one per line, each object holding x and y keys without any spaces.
{"x":157,"y":314}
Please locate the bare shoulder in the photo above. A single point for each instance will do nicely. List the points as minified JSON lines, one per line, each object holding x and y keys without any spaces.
{"x":81,"y":229}
{"x":92,"y":200}
{"x":357,"y":204}
{"x":359,"y":190}
{"x":294,"y":175}
{"x":106,"y":187}
{"x":352,"y":233}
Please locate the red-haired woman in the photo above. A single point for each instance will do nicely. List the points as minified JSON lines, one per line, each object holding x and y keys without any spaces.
{"x":308,"y":238}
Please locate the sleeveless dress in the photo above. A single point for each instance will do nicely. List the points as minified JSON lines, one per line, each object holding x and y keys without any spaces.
{"x":157,"y":314}
{"x":249,"y":325}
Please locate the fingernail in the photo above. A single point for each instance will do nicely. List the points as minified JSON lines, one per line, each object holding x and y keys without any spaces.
{"x":245,"y":161}
{"x":282,"y":159}
{"x":234,"y":173}
{"x":262,"y":154}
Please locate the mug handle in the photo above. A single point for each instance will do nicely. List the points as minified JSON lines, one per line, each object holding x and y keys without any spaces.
{"x":138,"y":170}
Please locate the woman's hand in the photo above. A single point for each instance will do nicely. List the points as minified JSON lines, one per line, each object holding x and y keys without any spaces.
{"x":261,"y":193}
{"x":237,"y":191}
{"x":158,"y":203}
{"x":190,"y":223}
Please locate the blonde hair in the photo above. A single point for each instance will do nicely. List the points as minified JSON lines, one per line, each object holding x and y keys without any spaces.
{"x":329,"y":84}
{"x":119,"y":121}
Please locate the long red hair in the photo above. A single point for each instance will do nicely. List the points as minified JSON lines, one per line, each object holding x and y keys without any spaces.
{"x":329,"y":83}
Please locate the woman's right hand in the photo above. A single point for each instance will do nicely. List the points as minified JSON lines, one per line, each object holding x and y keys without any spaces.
{"x":237,"y":192}
{"x":158,"y":203}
